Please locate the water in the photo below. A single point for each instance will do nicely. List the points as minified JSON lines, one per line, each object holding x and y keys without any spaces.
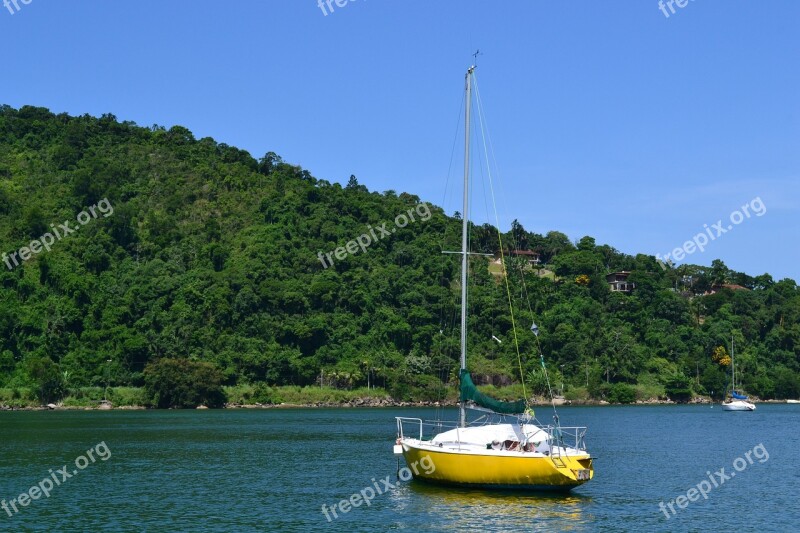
{"x":272,"y":470}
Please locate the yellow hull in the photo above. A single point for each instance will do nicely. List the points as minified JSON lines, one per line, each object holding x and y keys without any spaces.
{"x":511,"y":471}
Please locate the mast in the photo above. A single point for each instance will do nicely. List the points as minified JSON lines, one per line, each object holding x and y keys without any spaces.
{"x":462,"y":416}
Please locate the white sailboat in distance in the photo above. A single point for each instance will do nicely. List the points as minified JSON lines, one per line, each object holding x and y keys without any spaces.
{"x":737,"y":402}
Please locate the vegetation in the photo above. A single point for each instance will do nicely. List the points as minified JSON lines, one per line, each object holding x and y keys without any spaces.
{"x":206,"y":280}
{"x":183,"y":383}
{"x":296,"y":395}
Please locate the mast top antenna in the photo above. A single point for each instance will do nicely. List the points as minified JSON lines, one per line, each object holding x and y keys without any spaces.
{"x":475,"y":57}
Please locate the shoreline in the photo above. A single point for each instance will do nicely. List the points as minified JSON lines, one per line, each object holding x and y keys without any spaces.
{"x":370,"y":403}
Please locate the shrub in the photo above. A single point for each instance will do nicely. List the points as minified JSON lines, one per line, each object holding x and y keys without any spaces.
{"x":239,"y":394}
{"x":678,"y":388}
{"x":622,"y":393}
{"x":429,"y":388}
{"x":264,"y":394}
{"x":418,"y":388}
{"x":599,"y":390}
{"x":183,"y":384}
{"x":46,"y":374}
{"x":577,"y":394}
{"x":128,"y":396}
{"x":786,"y":383}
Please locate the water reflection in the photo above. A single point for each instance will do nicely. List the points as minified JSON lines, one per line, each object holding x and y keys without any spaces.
{"x":463,"y":509}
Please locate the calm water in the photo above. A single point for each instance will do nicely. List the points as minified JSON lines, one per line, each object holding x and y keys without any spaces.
{"x":272,"y":470}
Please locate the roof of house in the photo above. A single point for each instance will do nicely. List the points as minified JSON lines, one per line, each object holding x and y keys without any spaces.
{"x":731,"y":286}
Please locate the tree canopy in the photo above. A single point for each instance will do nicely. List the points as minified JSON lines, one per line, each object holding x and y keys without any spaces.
{"x":213,"y":256}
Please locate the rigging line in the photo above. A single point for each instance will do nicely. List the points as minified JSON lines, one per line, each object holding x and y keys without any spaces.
{"x":514,"y":241}
{"x":444,"y":201}
{"x":481,"y":161}
{"x":450,"y":166}
{"x":497,"y":167}
{"x":481,"y":229}
{"x":522,"y":274}
{"x":500,"y":242}
{"x":546,"y":376}
{"x":494,"y":285}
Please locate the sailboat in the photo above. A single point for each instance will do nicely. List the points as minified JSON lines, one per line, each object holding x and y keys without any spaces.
{"x":737,"y":402}
{"x":505,"y":446}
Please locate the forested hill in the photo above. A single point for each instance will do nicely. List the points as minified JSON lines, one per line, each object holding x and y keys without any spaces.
{"x":186,"y":249}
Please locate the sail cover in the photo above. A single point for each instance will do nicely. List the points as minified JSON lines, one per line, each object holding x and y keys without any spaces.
{"x":469,"y":392}
{"x":738,"y":396}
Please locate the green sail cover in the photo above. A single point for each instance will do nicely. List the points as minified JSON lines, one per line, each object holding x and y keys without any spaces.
{"x":469,"y":392}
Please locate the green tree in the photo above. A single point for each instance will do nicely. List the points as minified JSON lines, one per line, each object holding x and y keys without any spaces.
{"x":48,"y":378}
{"x":622,"y":393}
{"x":678,"y":388}
{"x":183,"y":384}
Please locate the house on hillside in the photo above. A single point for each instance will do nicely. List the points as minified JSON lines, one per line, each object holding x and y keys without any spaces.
{"x":719,"y":286}
{"x":532,"y":257}
{"x":618,"y":282}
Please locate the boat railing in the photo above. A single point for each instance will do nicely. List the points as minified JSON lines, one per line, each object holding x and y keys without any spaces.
{"x":559,"y":436}
{"x":418,"y":428}
{"x":566,"y":437}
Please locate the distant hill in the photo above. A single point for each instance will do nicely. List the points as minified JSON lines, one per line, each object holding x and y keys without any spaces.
{"x":191,"y":249}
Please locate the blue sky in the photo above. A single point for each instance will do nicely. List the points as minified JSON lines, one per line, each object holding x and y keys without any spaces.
{"x":607,"y":118}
